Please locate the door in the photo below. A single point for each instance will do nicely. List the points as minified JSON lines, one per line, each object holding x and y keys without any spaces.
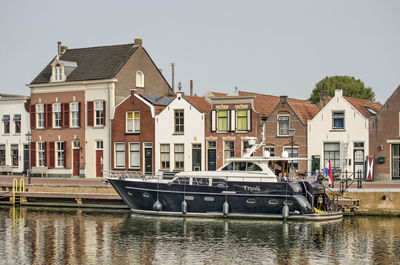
{"x":358,"y":158}
{"x":395,"y":161}
{"x":196,"y":157}
{"x":99,"y":163}
{"x":148,"y":160}
{"x":212,"y":159}
{"x":26,"y":157}
{"x":75,"y":162}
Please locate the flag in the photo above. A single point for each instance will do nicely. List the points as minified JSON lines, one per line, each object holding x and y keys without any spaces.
{"x":328,"y":171}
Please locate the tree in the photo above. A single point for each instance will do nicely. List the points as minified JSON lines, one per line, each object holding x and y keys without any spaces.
{"x":351,"y":88}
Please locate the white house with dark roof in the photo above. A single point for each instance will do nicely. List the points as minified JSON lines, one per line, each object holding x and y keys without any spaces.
{"x":340,"y":132}
{"x":14,"y":124}
{"x":180,"y":135}
{"x":72,"y":99}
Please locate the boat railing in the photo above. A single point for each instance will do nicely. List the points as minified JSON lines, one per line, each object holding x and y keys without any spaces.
{"x":126,"y":174}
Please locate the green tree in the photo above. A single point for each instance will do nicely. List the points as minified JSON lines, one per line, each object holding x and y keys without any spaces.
{"x":351,"y":88}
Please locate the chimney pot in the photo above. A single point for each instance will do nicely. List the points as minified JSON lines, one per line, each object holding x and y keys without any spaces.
{"x":191,"y":87}
{"x":59,"y":47}
{"x":283,"y":99}
{"x":138,"y":42}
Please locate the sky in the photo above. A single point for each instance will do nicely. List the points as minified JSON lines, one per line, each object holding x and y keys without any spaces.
{"x":270,"y":47}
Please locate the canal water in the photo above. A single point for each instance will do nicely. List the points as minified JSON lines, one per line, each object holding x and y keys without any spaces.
{"x":70,"y":236}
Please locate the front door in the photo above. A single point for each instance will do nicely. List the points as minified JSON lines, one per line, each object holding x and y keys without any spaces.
{"x":99,"y":163}
{"x":75,"y":162}
{"x":212,"y":159}
{"x":358,"y":158}
{"x":395,"y":161}
{"x":26,"y":157}
{"x":196,"y":157}
{"x":148,"y":160}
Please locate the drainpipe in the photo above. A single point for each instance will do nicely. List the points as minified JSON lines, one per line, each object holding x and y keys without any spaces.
{"x":109,"y":127}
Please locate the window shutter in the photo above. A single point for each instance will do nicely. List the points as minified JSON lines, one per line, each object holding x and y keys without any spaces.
{"x":51,"y":155}
{"x":79,"y":114}
{"x":65,"y":116}
{"x":45,"y":154}
{"x":33,"y":116}
{"x":65,"y":154}
{"x":232,"y":120}
{"x":249,"y":120}
{"x":49,"y":120}
{"x":213,"y":121}
{"x":90,"y":113}
{"x":104,"y":111}
{"x":33,"y":154}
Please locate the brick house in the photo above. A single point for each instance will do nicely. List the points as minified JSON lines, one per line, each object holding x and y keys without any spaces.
{"x":384,"y":139}
{"x":72,"y":99}
{"x":133,"y":132}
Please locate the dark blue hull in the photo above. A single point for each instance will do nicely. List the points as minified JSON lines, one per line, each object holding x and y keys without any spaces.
{"x":264,"y":200}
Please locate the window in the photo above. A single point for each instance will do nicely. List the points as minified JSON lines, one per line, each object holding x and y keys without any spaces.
{"x":283,"y":125}
{"x":17,"y":122}
{"x":99,"y":145}
{"x":223,"y":120}
{"x":58,"y":73}
{"x":6,"y":122}
{"x":132,"y":121}
{"x":2,"y":155}
{"x":60,"y":154}
{"x":139,"y":79}
{"x":40,"y":115}
{"x":179,"y":156}
{"x":99,"y":112}
{"x":134,"y":153}
{"x":229,"y":149}
{"x":338,"y":120}
{"x":57,"y":115}
{"x":164,"y":156}
{"x":179,"y":128}
{"x":332,"y":151}
{"x":242,"y":120}
{"x":14,"y":155}
{"x":74,"y":109}
{"x":245,"y":146}
{"x":295,"y":153}
{"x":41,"y":149}
{"x":270,"y":149}
{"x":119,"y":154}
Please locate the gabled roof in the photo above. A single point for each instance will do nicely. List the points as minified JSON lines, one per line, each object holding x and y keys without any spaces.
{"x":365,"y":107}
{"x":200,"y":103}
{"x":94,"y":63}
{"x":157,"y":100}
{"x":218,"y":94}
{"x":266,"y":104}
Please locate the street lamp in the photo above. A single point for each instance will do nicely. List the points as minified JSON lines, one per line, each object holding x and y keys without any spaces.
{"x":292,"y":133}
{"x":28,"y":136}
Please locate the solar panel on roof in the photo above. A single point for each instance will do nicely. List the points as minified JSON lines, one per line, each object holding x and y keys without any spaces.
{"x":157,"y":100}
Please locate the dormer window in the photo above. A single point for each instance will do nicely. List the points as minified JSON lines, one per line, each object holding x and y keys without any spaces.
{"x":57,"y":72}
{"x":139,"y":79}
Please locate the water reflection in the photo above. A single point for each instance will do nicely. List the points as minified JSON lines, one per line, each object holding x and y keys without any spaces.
{"x":51,"y":236}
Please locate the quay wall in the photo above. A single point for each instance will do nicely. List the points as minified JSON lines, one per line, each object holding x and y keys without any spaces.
{"x":376,"y":202}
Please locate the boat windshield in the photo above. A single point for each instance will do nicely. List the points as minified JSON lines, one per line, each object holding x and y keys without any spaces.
{"x":242,"y":166}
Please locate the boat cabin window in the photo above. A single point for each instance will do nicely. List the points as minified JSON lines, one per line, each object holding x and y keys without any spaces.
{"x":242,"y":166}
{"x":181,"y":180}
{"x":218,"y":182}
{"x":201,"y":181}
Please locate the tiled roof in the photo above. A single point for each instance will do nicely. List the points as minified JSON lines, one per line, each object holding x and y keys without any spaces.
{"x":93,"y":63}
{"x":218,"y":94}
{"x":157,"y":100}
{"x":199,"y":103}
{"x":362,"y":106}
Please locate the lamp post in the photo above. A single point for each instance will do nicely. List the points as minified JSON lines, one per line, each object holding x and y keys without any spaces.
{"x":28,"y":136}
{"x":292,"y":133}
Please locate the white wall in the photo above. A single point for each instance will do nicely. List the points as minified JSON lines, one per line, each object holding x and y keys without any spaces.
{"x":193,"y":132}
{"x":12,"y":107}
{"x":320,"y":131}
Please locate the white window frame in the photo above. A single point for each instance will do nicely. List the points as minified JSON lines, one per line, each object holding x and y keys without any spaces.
{"x":290,"y":154}
{"x":268,"y":148}
{"x":279,"y":124}
{"x":180,"y":161}
{"x":116,"y":154}
{"x":6,"y":124}
{"x":74,"y":114}
{"x":336,"y":114}
{"x":14,"y":158}
{"x":99,"y":144}
{"x":58,"y":73}
{"x":41,"y":154}
{"x":139,"y":79}
{"x":40,"y":113}
{"x":219,"y":129}
{"x":132,"y":125}
{"x":17,"y":124}
{"x":247,"y":120}
{"x":181,"y":122}
{"x":57,"y":115}
{"x":2,"y":154}
{"x":137,"y":152}
{"x":229,"y":150}
{"x":99,"y":113}
{"x":60,"y":156}
{"x":161,"y":156}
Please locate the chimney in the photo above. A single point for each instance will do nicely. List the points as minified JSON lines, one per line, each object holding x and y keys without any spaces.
{"x":191,"y":87}
{"x":59,"y":48}
{"x":138,"y":42}
{"x":323,"y":97}
{"x":283,"y":99}
{"x":173,"y":77}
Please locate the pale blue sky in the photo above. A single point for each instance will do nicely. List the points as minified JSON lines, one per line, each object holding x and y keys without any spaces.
{"x":271,"y":47}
